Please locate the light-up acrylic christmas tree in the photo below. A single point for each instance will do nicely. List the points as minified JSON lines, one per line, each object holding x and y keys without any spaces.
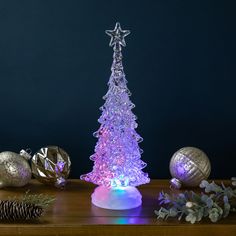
{"x":117,"y":164}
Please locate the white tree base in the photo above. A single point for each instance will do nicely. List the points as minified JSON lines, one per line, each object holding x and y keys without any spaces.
{"x":116,"y":198}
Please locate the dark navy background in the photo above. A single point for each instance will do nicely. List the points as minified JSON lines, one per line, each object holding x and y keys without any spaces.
{"x":179,"y":61}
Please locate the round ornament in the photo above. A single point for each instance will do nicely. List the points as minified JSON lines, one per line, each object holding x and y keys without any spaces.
{"x":15,"y":170}
{"x":189,"y":166}
{"x":51,"y":165}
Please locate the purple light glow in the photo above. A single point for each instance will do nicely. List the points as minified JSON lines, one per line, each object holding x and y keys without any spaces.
{"x":59,"y":166}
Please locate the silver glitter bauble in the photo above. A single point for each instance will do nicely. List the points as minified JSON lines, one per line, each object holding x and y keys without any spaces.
{"x":15,"y":170}
{"x":51,"y":165}
{"x":189,"y":166}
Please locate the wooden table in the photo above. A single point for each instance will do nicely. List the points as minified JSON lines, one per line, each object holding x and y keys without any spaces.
{"x":73,"y":214}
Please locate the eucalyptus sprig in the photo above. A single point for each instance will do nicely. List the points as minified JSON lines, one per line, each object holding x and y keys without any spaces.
{"x":215,"y":202}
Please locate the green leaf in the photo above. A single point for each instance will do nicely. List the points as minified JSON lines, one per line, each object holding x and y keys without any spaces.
{"x":173,"y":212}
{"x":191,"y":218}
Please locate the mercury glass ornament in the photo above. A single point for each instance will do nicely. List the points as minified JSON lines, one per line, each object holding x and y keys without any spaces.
{"x":15,"y":170}
{"x":51,"y":165}
{"x":189,"y":166}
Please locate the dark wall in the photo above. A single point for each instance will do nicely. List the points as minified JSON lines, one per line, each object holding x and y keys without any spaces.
{"x":179,"y":61}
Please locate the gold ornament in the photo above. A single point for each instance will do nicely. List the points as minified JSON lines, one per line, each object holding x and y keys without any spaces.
{"x":15,"y":170}
{"x":51,"y":165}
{"x":189,"y":166}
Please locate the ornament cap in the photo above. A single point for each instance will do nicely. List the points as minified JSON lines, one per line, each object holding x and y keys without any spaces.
{"x":175,"y":183}
{"x":60,"y":183}
{"x":26,"y":153}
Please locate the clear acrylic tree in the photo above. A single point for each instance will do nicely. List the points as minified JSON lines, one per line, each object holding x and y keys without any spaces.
{"x":117,"y":163}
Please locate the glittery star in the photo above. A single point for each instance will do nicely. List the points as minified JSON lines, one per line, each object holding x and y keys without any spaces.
{"x":117,"y":35}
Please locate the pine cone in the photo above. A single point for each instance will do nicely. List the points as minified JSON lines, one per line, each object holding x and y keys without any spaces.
{"x":13,"y":210}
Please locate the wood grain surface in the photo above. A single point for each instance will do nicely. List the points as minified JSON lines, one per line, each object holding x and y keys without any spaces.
{"x":73,"y":214}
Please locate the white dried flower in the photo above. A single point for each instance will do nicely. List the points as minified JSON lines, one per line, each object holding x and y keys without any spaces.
{"x":189,"y":204}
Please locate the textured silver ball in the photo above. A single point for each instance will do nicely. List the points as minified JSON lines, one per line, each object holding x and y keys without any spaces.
{"x":15,"y":170}
{"x":189,"y":166}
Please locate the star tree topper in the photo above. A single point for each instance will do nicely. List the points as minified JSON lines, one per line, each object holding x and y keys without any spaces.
{"x":117,"y":35}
